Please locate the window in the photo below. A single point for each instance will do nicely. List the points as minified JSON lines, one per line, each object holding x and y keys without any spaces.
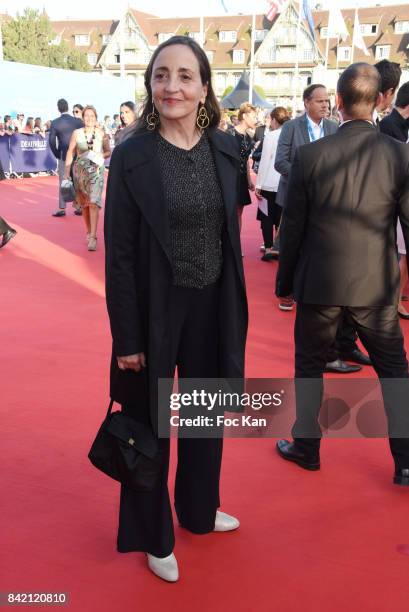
{"x":369,"y":29}
{"x":92,"y":58}
{"x":143,"y":57}
{"x":324,"y":32}
{"x":117,"y":58}
{"x":164,"y":36}
{"x":382,"y":52}
{"x":238,"y":56}
{"x":106,"y":38}
{"x":56,"y":40}
{"x":210,"y":56}
{"x":271,"y":55}
{"x":308,"y":55}
{"x":221,"y":80}
{"x":236,"y":77}
{"x":81,"y":40}
{"x":306,"y":79}
{"x":344,"y":54}
{"x":286,"y":55}
{"x":270,"y":80}
{"x":196,"y":36}
{"x":130,"y":55}
{"x":286,"y":80}
{"x":228,"y":36}
{"x":401,"y":27}
{"x":261,"y":34}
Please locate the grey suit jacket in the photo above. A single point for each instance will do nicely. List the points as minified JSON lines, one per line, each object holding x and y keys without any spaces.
{"x":294,"y":133}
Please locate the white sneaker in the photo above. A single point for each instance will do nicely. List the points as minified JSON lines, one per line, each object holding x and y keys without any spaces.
{"x":225,"y":522}
{"x":166,"y":567}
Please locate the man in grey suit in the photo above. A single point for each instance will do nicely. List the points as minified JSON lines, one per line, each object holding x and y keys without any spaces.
{"x":309,"y":127}
{"x":60,"y":134}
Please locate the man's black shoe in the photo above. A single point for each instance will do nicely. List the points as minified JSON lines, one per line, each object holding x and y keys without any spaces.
{"x":8,"y":235}
{"x":78,"y":212}
{"x":401,"y":477}
{"x":357,"y":356}
{"x":289,"y":451}
{"x":59,"y":213}
{"x":340,"y":367}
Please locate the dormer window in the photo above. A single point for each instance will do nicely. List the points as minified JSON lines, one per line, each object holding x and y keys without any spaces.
{"x":228,"y":36}
{"x":81,"y":40}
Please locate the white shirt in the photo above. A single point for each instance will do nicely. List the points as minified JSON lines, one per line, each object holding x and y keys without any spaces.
{"x":268,"y":177}
{"x":317,"y":128}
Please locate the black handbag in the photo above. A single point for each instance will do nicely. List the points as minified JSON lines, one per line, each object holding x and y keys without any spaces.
{"x":127,"y":451}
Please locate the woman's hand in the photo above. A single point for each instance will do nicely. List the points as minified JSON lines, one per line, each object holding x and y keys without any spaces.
{"x":132,"y":362}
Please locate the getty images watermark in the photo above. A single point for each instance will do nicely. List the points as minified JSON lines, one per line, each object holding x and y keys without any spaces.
{"x":217,"y":404}
{"x":253,"y":408}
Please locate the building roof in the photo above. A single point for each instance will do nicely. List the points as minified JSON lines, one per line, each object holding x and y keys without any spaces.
{"x":95,"y":29}
{"x":385,"y":17}
{"x":152,"y":26}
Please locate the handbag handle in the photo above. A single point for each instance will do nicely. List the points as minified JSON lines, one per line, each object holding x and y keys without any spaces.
{"x":111,"y":403}
{"x":115,"y":387}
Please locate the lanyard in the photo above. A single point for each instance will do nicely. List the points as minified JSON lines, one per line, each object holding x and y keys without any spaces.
{"x":313,"y":137}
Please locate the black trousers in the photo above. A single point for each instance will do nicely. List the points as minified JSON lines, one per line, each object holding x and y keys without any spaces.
{"x":380,"y":333}
{"x":272,"y":220}
{"x":345,"y":339}
{"x":145,"y":518}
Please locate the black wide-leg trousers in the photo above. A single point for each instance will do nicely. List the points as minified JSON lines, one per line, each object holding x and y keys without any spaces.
{"x":381,"y":335}
{"x":145,"y":518}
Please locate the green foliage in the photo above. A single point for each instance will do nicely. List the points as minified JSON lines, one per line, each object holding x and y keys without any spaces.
{"x":227,"y":91}
{"x":27,"y":39}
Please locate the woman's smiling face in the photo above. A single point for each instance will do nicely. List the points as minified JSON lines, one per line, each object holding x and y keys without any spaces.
{"x":177,"y":88}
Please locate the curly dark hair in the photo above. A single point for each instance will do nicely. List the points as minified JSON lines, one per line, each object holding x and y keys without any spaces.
{"x":211,"y":103}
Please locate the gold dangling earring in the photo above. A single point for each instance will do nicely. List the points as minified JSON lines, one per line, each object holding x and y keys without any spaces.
{"x":203,"y":120}
{"x":152,"y":119}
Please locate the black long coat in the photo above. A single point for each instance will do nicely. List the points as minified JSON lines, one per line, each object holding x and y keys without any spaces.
{"x":139,"y":271}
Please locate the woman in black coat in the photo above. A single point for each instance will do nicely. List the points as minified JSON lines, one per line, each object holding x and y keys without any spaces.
{"x":175,"y":286}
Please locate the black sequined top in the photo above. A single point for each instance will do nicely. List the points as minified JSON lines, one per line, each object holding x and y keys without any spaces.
{"x":196,"y":212}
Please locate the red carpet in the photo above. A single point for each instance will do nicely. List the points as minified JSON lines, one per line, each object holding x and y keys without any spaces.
{"x":308,"y":541}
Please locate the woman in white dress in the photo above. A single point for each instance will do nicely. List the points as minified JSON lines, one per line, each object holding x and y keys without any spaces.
{"x":267,"y":181}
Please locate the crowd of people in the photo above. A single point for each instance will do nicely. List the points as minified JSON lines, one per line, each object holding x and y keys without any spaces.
{"x":330,"y":188}
{"x":112,"y":126}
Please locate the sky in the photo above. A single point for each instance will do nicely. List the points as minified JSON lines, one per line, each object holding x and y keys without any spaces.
{"x":95,"y":9}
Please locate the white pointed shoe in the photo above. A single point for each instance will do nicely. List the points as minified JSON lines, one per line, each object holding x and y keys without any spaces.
{"x":166,"y":567}
{"x":225,"y":522}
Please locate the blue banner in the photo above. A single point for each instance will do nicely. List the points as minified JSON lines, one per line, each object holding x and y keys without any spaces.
{"x":31,"y":153}
{"x":5,"y":153}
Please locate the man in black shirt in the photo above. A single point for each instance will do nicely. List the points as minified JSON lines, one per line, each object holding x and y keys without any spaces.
{"x":397,"y":123}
